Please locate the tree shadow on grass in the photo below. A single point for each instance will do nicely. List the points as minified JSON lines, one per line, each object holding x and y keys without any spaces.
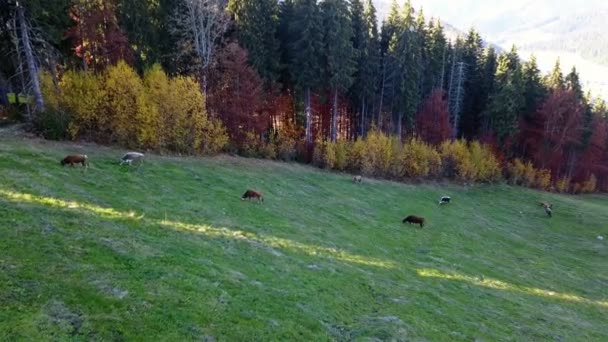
{"x":500,"y":285}
{"x":269,"y":241}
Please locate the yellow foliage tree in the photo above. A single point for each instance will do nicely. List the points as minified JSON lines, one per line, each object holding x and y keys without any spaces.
{"x":82,"y":96}
{"x":134,"y":118}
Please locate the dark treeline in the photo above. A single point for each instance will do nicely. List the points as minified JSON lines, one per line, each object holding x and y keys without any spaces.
{"x":309,"y":71}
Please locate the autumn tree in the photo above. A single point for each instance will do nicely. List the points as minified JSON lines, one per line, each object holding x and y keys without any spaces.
{"x":98,"y":39}
{"x":433,"y":120}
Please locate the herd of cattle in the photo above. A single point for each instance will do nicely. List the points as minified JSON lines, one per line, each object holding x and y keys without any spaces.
{"x":130,"y":158}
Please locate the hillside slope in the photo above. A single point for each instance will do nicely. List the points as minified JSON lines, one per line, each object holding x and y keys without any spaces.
{"x":169,"y":252}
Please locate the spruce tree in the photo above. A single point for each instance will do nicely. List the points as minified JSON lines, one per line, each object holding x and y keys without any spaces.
{"x":374,"y":57}
{"x":338,"y":52}
{"x":507,"y":101}
{"x":307,"y":47}
{"x":555,"y":80}
{"x":257,"y":23}
{"x":471,"y":109}
{"x":437,"y":48}
{"x":534,"y":89}
{"x":489,"y":65}
{"x":405,"y":48}
{"x":286,"y":16}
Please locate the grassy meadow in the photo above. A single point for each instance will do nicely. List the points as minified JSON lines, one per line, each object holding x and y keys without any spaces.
{"x":169,"y":252}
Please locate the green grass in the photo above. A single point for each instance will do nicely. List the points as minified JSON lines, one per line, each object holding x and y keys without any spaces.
{"x":170,"y":253}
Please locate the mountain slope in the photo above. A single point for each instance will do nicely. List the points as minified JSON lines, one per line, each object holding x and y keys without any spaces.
{"x":170,"y":252}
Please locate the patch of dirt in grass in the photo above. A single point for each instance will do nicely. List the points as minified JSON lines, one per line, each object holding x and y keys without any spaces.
{"x":59,"y":319}
{"x":110,"y":290}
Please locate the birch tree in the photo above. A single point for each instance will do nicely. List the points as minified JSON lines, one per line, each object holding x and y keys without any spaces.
{"x":200,"y":25}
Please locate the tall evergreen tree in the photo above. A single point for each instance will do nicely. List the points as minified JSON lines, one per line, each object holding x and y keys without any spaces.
{"x":286,"y":16}
{"x":437,"y":48}
{"x":507,"y":101}
{"x":257,"y":22}
{"x":307,"y":47}
{"x":472,"y":106}
{"x":389,"y":66}
{"x":534,"y":89}
{"x":339,"y":53}
{"x":555,"y":80}
{"x":572,"y":83}
{"x":374,"y":57}
{"x":489,"y":64}
{"x":405,"y":48}
{"x":365,"y":35}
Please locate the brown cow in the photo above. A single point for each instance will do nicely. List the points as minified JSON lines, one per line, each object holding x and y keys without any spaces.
{"x":250,"y":194}
{"x":76,"y":159}
{"x":415,"y":220}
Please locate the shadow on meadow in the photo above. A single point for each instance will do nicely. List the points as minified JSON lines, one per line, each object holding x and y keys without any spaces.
{"x":271,"y":243}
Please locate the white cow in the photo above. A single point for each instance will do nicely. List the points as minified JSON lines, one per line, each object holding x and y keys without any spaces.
{"x":130,"y":157}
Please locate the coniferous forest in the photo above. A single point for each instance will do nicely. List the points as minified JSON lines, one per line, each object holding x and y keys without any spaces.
{"x":320,"y":82}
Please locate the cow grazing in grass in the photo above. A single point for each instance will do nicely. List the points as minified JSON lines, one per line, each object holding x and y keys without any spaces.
{"x":131,"y":157}
{"x":250,"y":194}
{"x":548,"y":208}
{"x":445,"y":200}
{"x":414,"y":220}
{"x":75,"y":159}
{"x":357,"y":179}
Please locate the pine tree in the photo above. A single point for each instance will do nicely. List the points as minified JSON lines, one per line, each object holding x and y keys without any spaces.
{"x":389,"y":26}
{"x":257,"y":23}
{"x":555,"y":80}
{"x":389,"y":66}
{"x":437,"y":49}
{"x":534,"y":89}
{"x":374,"y":57}
{"x":360,"y":43}
{"x":405,"y":48}
{"x":572,"y":83}
{"x":507,"y":101}
{"x":286,"y":16}
{"x":489,"y":64}
{"x":307,"y":47}
{"x":365,"y":35}
{"x":472,"y":107}
{"x":339,"y":53}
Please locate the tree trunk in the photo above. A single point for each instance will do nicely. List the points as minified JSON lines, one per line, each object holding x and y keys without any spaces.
{"x":53,"y":68}
{"x":399,"y":125}
{"x":381,"y":95}
{"x":334,"y":116}
{"x":362,"y":123}
{"x":29,"y":59}
{"x":3,"y":91}
{"x":307,"y":113}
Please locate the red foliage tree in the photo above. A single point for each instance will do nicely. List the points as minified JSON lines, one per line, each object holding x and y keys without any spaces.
{"x":553,"y":137}
{"x":433,"y":120}
{"x":594,"y":159}
{"x":235,"y":94}
{"x":98,"y":40}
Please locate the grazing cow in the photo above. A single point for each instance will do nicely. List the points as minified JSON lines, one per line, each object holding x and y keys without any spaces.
{"x":130,"y":157}
{"x":445,"y":200}
{"x":548,"y":208}
{"x":76,"y":159}
{"x":549,"y":211}
{"x":357,"y":179}
{"x":250,"y":194}
{"x":415,"y":220}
